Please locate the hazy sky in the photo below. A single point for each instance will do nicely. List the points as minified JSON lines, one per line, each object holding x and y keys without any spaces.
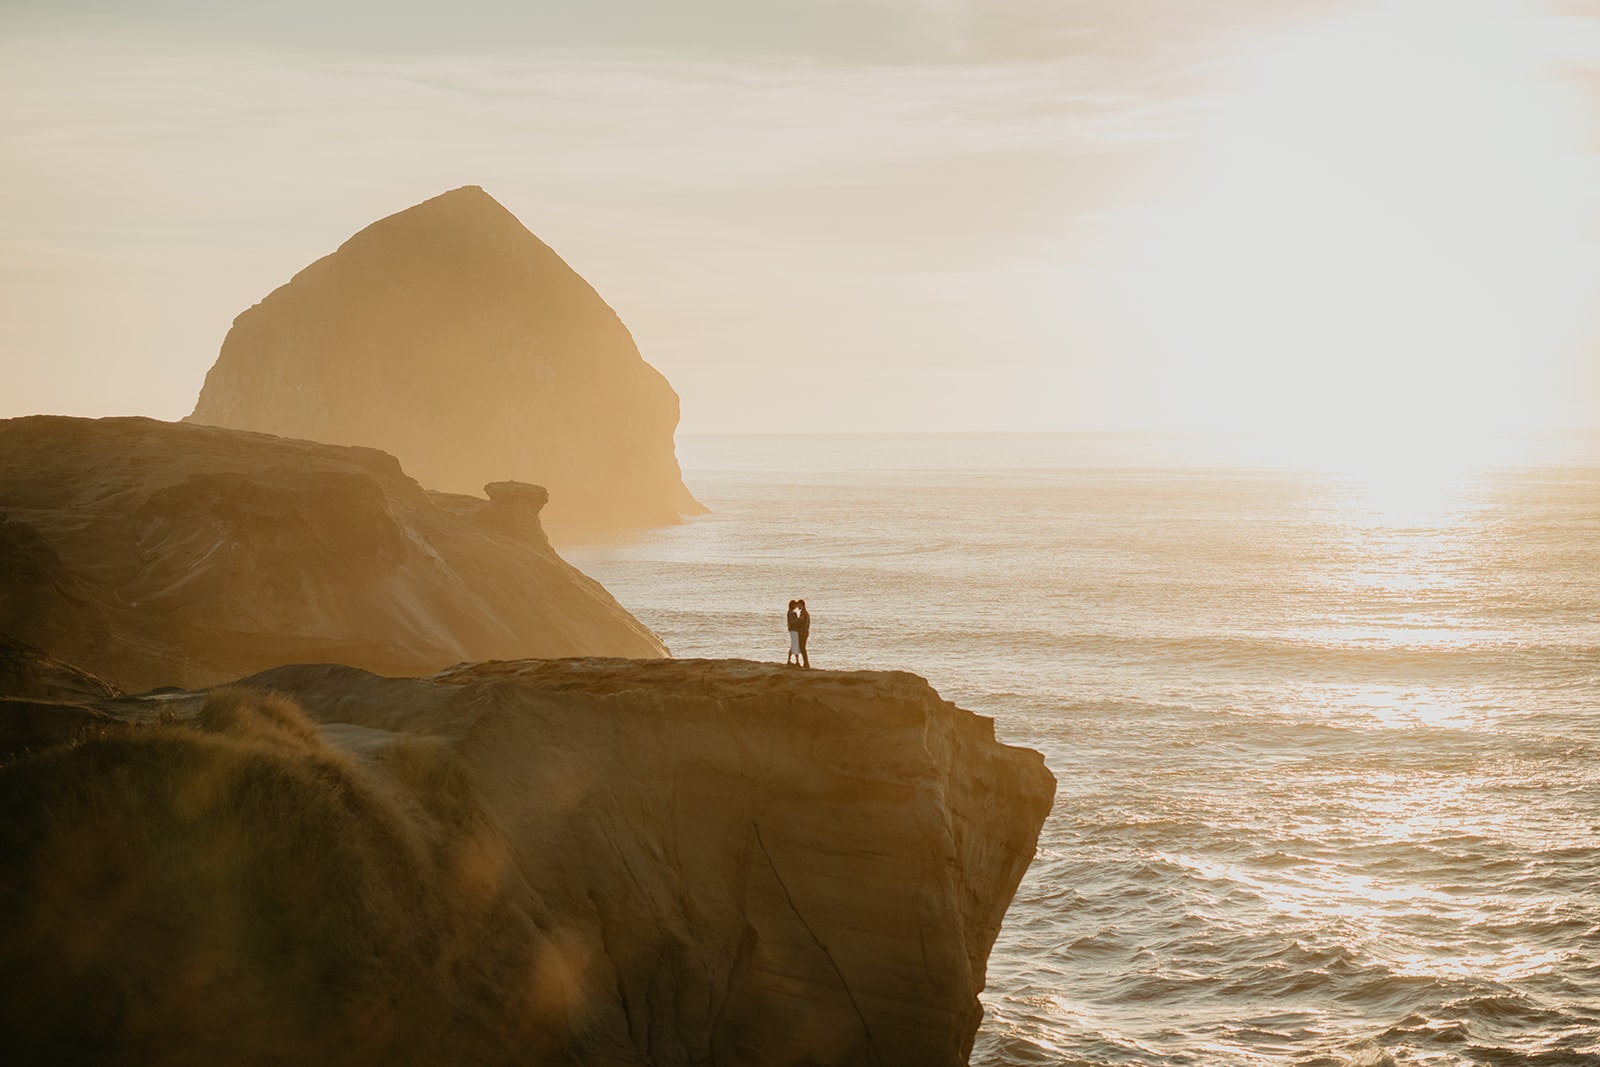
{"x":851,"y":214}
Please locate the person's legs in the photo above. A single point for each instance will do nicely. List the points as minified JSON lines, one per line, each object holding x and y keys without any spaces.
{"x":805,"y":660}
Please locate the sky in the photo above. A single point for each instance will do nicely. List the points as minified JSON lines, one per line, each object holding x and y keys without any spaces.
{"x":1369,"y":217}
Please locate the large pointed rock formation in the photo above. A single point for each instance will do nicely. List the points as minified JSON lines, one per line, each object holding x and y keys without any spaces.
{"x":453,"y":338}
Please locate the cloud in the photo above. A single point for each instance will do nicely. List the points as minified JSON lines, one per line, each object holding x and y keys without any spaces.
{"x":732,"y":209}
{"x":827,"y":31}
{"x":107,"y":124}
{"x":940,"y":201}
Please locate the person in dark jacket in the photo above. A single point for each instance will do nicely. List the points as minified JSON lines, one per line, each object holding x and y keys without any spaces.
{"x":805,"y":632}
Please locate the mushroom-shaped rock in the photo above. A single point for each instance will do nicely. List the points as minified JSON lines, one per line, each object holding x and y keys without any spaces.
{"x":513,"y":509}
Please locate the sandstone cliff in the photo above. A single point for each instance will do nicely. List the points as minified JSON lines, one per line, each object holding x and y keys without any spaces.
{"x":569,"y":862}
{"x":453,"y":338}
{"x":154,"y":553}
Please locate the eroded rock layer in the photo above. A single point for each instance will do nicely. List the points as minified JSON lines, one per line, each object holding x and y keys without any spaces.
{"x":572,"y":862}
{"x":154,"y":553}
{"x":453,"y":338}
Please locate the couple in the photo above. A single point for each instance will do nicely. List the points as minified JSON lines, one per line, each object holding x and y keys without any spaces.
{"x":799,"y":630}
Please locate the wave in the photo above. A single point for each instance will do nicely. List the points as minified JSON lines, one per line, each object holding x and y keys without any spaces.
{"x":1327,"y":788}
{"x":1533,"y":664}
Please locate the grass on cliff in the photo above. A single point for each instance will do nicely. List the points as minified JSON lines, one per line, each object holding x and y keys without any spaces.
{"x":235,"y":890}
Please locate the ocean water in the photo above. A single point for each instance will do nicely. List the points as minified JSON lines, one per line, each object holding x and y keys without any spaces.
{"x":1328,"y":743}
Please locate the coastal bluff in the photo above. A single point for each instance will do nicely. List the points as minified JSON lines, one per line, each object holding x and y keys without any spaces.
{"x":167,"y":554}
{"x":581,"y":861}
{"x":453,"y":338}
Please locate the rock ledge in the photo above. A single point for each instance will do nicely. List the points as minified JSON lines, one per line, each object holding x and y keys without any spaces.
{"x":572,"y":862}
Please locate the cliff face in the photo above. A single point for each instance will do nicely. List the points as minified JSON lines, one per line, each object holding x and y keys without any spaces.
{"x":575,"y":862}
{"x":453,"y":338}
{"x":158,"y":554}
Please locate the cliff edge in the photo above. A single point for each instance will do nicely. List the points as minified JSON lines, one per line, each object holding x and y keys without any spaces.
{"x":453,"y":338}
{"x":564,"y":862}
{"x":154,"y":553}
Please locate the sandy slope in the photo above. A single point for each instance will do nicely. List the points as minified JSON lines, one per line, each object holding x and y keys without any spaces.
{"x":155,"y":553}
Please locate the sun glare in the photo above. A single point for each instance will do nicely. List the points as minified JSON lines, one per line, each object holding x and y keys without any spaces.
{"x":1388,"y":238}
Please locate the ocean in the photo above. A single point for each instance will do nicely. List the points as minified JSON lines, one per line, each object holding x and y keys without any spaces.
{"x":1328,"y":743}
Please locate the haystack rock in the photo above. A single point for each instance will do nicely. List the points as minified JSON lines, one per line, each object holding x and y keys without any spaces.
{"x":559,"y":862}
{"x":154,"y":553}
{"x":453,"y":338}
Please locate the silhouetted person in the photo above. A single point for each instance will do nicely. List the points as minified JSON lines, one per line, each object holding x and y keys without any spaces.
{"x":795,"y":644}
{"x":804,"y":630}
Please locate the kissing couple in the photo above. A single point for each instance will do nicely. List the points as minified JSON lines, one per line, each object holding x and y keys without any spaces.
{"x":799,"y":630}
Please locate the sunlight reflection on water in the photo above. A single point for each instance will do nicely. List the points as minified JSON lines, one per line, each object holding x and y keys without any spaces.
{"x":1328,"y":753}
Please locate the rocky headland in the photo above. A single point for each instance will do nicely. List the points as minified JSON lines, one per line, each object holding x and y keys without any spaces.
{"x":554,"y":862}
{"x":161,"y":554}
{"x":460,"y":808}
{"x":453,"y":338}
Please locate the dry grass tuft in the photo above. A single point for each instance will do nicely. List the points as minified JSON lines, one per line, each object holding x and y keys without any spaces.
{"x":246,"y":713}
